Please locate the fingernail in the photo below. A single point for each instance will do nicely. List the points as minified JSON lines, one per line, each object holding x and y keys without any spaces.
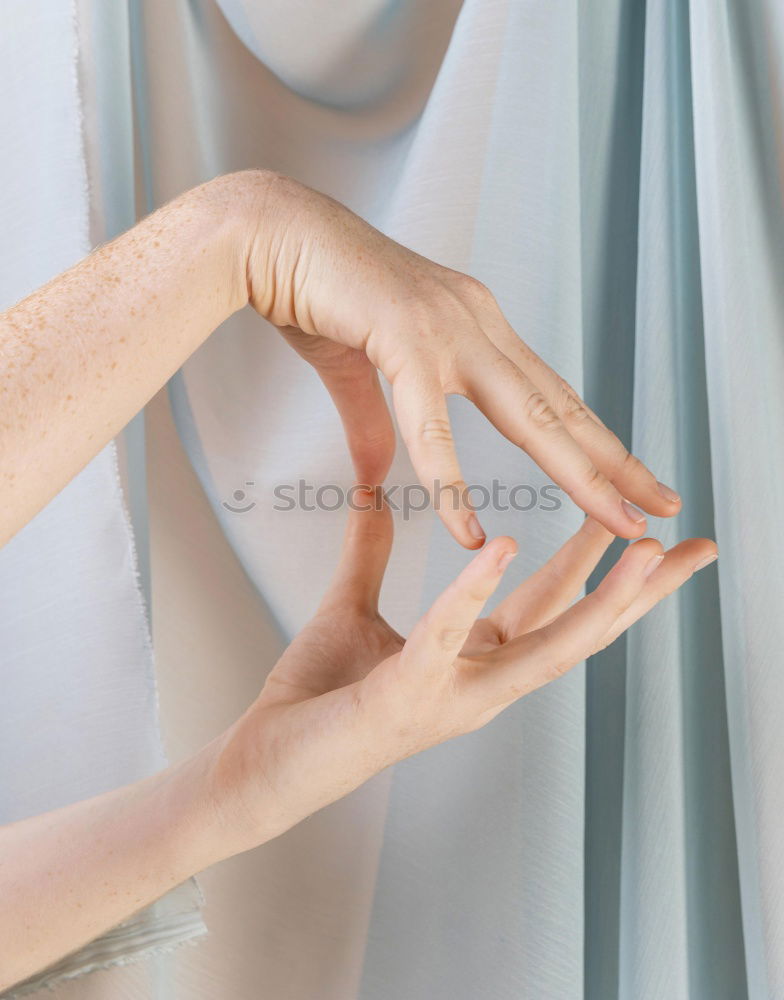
{"x":706,"y":561}
{"x":656,"y":561}
{"x":504,"y":561}
{"x":667,"y":493}
{"x":475,"y":527}
{"x":632,"y":512}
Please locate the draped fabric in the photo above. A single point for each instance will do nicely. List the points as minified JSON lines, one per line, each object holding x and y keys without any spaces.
{"x":78,"y":711}
{"x":612,"y":170}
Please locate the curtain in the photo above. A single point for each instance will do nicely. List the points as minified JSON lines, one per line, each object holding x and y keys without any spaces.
{"x":78,"y":712}
{"x":612,"y":170}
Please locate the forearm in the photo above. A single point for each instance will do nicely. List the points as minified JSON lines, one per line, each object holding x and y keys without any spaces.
{"x":69,"y":875}
{"x":81,"y":355}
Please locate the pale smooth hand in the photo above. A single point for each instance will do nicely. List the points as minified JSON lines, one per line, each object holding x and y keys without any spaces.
{"x":350,"y":696}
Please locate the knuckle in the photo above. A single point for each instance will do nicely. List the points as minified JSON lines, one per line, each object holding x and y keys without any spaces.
{"x":572,"y":406}
{"x":594,"y":479}
{"x":477,"y":594}
{"x":452,"y":370}
{"x":436,"y":431}
{"x":540,"y":413}
{"x":474,"y":290}
{"x":629,"y":464}
{"x":451,"y":638}
{"x":456,"y":386}
{"x":564,"y":387}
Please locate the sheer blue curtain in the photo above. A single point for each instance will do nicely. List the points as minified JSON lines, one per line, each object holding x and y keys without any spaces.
{"x":612,"y":169}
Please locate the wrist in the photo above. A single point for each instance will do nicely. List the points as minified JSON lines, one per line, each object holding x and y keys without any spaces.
{"x":275,"y":217}
{"x":180,"y":801}
{"x":241,"y":205}
{"x":253,"y":205}
{"x":238,"y":813}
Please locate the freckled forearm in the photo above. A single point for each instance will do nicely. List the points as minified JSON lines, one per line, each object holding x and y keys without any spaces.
{"x":84,"y":353}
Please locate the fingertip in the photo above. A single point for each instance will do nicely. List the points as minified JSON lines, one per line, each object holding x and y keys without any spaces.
{"x":475,"y":529}
{"x":464,"y":528}
{"x":673,"y":508}
{"x":668,"y":494}
{"x":369,"y":500}
{"x":636,"y":520}
{"x":659,"y":507}
{"x":631,"y":532}
{"x":643,"y":556}
{"x":622,"y":519}
{"x":648,"y":546}
{"x":489,"y":564}
{"x":707,"y":553}
{"x":500,"y":552}
{"x":462,"y":537}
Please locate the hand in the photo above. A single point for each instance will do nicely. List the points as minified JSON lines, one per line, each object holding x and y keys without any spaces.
{"x":347,"y":698}
{"x":350,"y":696}
{"x":352,"y":301}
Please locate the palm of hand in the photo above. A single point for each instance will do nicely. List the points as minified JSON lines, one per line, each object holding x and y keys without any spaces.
{"x":340,"y":646}
{"x":335,"y":649}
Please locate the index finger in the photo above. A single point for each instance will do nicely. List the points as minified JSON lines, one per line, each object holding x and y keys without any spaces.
{"x":421,"y":410}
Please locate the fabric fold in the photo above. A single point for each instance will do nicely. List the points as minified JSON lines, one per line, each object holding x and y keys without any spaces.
{"x":611,"y":169}
{"x":79,"y":707}
{"x":736,"y":53}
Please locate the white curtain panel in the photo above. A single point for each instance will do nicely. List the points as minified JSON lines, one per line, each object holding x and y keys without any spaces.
{"x":612,"y":169}
{"x":78,"y":711}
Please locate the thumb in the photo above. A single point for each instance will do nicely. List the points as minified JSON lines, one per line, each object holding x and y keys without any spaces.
{"x":364,"y":413}
{"x":367,"y":543}
{"x":438,"y":637}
